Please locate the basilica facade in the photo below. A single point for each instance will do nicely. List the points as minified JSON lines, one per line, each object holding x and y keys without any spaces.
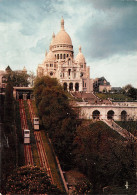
{"x":72,"y":72}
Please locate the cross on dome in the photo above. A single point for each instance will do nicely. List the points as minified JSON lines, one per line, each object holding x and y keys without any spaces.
{"x":53,"y":36}
{"x":80,"y":49}
{"x":62,"y":23}
{"x":46,"y":53}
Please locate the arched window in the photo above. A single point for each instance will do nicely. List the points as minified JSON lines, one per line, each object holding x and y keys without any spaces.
{"x":60,"y":56}
{"x":123,"y":115}
{"x":96,"y":114}
{"x":69,"y":70}
{"x":57,"y":56}
{"x":76,"y":86}
{"x":110,"y":114}
{"x":65,"y":86}
{"x":51,"y":73}
{"x":64,"y":55}
{"x":71,"y":87}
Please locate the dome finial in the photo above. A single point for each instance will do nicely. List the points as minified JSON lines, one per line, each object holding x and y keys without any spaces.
{"x":62,"y":23}
{"x":80,"y":49}
{"x":53,"y":36}
{"x":46,"y":53}
{"x":50,"y":47}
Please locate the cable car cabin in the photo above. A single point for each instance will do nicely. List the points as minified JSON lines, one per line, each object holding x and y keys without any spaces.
{"x":36,"y":123}
{"x":26,"y":136}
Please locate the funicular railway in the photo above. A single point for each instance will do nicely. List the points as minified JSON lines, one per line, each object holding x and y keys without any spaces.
{"x":27,"y":147}
{"x":38,"y":138}
{"x":40,"y":146}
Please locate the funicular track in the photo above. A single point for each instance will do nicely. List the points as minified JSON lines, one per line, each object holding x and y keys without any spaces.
{"x":27,"y":148}
{"x":40,"y":146}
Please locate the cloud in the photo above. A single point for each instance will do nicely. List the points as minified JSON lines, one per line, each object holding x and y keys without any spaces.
{"x":105,"y":29}
{"x":111,"y":32}
{"x":118,"y":70}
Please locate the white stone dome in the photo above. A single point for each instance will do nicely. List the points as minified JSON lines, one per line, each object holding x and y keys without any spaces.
{"x":62,"y":36}
{"x":50,"y":56}
{"x":80,"y":57}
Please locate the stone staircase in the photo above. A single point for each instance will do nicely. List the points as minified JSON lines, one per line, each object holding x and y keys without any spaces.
{"x":90,"y":97}
{"x":123,"y":132}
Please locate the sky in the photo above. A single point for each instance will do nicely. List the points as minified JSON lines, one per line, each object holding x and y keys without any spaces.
{"x":105,"y":29}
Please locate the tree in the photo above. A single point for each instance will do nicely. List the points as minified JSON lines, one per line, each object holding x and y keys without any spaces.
{"x":58,"y":118}
{"x":132,"y":92}
{"x":127,"y":87}
{"x":103,"y":156}
{"x":17,"y":79}
{"x":30,"y":180}
{"x":31,"y":78}
{"x":8,"y":108}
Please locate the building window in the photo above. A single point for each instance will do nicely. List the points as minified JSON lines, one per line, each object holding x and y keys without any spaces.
{"x":64,"y":56}
{"x":51,"y":73}
{"x":65,"y":86}
{"x":77,"y":87}
{"x":81,"y":74}
{"x":69,"y":70}
{"x":63,"y":74}
{"x":83,"y":83}
{"x":57,"y":56}
{"x":71,"y":86}
{"x":67,"y":55}
{"x":60,"y":56}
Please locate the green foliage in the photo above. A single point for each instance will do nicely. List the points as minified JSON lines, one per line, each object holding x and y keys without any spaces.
{"x":8,"y":109}
{"x":20,"y":144}
{"x":30,"y":180}
{"x":103,"y":155}
{"x":131,"y":126}
{"x":114,"y":96}
{"x":2,"y":99}
{"x":17,"y":79}
{"x":56,"y":114}
{"x":52,"y":161}
{"x":130,"y":91}
{"x":84,"y":187}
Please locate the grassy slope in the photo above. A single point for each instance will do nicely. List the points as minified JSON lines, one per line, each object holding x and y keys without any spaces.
{"x":52,"y":162}
{"x":131,"y":126}
{"x":51,"y":158}
{"x":105,"y":128}
{"x":114,"y":96}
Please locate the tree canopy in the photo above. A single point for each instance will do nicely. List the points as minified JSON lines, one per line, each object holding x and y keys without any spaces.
{"x":103,"y":155}
{"x":30,"y":180}
{"x":17,"y":79}
{"x":130,"y":91}
{"x":58,"y":118}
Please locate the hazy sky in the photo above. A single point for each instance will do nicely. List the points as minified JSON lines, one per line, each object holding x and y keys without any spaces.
{"x":105,"y":29}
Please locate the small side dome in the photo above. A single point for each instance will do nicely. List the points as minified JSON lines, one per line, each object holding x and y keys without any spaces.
{"x":80,"y":57}
{"x":50,"y":56}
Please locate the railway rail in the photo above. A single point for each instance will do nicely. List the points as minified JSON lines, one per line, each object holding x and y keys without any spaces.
{"x":40,"y":145}
{"x":27,"y":148}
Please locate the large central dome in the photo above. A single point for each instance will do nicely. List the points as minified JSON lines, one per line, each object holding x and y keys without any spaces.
{"x":62,"y":37}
